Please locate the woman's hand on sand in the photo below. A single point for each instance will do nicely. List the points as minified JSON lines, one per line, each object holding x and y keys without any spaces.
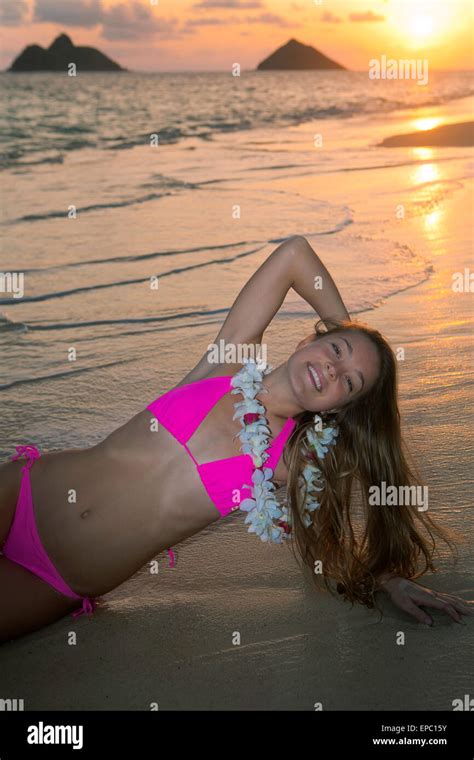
{"x":411,"y":597}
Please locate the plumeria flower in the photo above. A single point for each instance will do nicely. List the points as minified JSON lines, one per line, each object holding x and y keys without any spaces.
{"x":261,"y":520}
{"x":321,"y":439}
{"x":256,"y":446}
{"x":310,"y":507}
{"x":257,"y":428}
{"x":262,"y":508}
{"x":310,"y":473}
{"x":249,"y":380}
{"x":262,"y":481}
{"x":310,"y":481}
{"x":255,"y":441}
{"x":248,"y":405}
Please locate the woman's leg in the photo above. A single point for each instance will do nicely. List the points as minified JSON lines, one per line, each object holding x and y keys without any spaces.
{"x":10,"y":479}
{"x":28,"y":603}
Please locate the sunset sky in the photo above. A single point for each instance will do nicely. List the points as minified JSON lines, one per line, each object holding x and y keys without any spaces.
{"x":211,"y":35}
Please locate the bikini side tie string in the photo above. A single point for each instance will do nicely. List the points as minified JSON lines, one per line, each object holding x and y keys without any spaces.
{"x":30,"y":452}
{"x":88,"y":606}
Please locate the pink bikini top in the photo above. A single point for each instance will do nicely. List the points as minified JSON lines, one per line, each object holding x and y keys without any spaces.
{"x":181,"y":410}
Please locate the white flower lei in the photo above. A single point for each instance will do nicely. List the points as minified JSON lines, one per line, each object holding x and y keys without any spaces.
{"x":262,"y":508}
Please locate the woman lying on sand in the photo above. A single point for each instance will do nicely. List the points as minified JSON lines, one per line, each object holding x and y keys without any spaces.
{"x":75,"y":524}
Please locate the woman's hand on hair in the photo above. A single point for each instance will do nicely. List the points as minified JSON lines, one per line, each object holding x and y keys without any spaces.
{"x":411,"y":597}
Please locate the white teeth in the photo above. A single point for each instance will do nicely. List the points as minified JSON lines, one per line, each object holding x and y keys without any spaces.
{"x":316,"y":377}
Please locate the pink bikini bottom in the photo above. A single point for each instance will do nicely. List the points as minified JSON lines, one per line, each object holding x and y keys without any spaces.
{"x":23,"y":544}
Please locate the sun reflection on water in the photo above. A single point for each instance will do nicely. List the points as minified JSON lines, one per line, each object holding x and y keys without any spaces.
{"x":426,"y":173}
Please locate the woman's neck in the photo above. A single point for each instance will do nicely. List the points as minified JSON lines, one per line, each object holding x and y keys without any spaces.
{"x":278,"y":401}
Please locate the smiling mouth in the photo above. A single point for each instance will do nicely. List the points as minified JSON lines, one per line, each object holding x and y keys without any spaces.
{"x":315,"y":377}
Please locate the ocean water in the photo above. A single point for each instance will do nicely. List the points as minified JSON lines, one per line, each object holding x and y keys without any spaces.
{"x":236,"y":170}
{"x":46,"y":116}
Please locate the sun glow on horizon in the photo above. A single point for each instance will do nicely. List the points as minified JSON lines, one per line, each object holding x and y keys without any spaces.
{"x":190,"y":36}
{"x":426,"y":122}
{"x":422,"y":23}
{"x":421,"y":26}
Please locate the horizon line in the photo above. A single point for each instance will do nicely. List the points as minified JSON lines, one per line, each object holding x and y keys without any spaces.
{"x":210,"y":71}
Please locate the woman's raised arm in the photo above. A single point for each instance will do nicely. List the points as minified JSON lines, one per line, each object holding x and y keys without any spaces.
{"x":293,"y":264}
{"x":312,"y":281}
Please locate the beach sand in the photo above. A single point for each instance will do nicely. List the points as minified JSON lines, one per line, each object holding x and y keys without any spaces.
{"x":170,"y":638}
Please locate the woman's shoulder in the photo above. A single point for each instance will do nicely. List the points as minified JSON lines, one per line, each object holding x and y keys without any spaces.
{"x":224,"y":370}
{"x":208,"y":371}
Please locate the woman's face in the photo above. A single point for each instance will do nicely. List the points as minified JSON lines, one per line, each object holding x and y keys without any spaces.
{"x":332,"y":371}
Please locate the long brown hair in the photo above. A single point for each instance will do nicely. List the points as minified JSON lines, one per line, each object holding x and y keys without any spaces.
{"x":369,"y":449}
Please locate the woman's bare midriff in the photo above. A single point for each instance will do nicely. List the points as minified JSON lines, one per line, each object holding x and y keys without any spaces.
{"x":104,"y":512}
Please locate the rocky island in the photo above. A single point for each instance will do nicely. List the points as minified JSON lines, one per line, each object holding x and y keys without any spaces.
{"x":60,"y":54}
{"x":296,"y":56}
